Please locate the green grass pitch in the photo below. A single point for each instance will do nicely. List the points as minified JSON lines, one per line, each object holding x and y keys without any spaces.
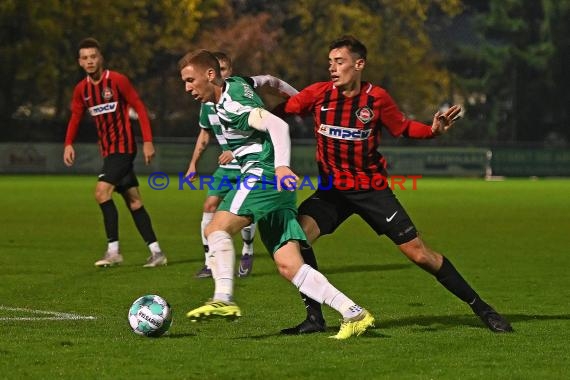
{"x":509,"y":240}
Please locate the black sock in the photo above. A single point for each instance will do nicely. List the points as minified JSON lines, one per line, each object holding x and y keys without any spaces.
{"x":314,"y":311}
{"x":110,"y":220}
{"x":450,"y":278}
{"x":142,"y":221}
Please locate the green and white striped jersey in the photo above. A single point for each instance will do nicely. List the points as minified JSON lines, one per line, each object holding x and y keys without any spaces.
{"x":253,"y":149}
{"x":210,"y":121}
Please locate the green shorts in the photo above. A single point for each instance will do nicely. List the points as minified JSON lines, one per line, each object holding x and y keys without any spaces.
{"x":275,"y":213}
{"x":220,"y":182}
{"x":279,"y":227}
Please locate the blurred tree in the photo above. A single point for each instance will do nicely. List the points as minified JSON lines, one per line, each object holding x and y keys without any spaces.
{"x":400,"y":54}
{"x":512,"y":76}
{"x":26,"y":33}
{"x":506,"y":59}
{"x":250,"y":36}
{"x":249,"y":39}
{"x":556,"y":114}
{"x":140,"y":38}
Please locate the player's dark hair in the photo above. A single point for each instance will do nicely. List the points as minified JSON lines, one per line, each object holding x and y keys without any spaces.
{"x":202,"y":58}
{"x":221,"y":56}
{"x":89,"y":42}
{"x":352,"y":44}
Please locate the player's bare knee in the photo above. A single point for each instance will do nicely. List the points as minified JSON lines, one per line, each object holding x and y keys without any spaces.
{"x":102,"y":195}
{"x":134,"y":204}
{"x":211,"y":204}
{"x":288,"y":260}
{"x":287,"y":271}
{"x":213,"y":227}
{"x":421,"y":259}
{"x":415,"y":251}
{"x":421,"y":255}
{"x":132,"y":198}
{"x":310,"y":227}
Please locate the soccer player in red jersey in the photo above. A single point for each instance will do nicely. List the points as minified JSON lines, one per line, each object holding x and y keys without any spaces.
{"x":348,"y":115}
{"x":107,"y":96}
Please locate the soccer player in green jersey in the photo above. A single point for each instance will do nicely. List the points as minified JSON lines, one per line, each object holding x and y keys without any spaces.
{"x":261,"y":144}
{"x":229,"y":169}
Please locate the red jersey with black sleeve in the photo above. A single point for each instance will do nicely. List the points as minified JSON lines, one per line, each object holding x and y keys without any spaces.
{"x":348,"y":129}
{"x":108,"y":103}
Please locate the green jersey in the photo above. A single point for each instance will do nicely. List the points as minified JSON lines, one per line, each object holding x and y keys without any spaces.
{"x":252,"y":148}
{"x":210,"y":121}
{"x":275,"y":211}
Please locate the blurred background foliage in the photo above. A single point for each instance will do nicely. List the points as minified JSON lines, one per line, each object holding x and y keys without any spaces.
{"x":505,"y":61}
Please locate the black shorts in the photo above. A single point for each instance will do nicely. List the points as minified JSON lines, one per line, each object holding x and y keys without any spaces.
{"x":118,"y":170}
{"x":379,"y":208}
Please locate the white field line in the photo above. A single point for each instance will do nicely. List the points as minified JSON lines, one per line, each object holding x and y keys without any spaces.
{"x":52,"y":315}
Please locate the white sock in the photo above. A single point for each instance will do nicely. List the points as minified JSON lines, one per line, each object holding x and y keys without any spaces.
{"x":113,"y":247}
{"x":312,"y":283}
{"x":154,"y":248}
{"x":222,"y":260}
{"x":247,"y":235}
{"x":206,"y":219}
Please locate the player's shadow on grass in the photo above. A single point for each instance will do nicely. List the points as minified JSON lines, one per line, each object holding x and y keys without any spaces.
{"x":363,"y":268}
{"x":347,"y":269}
{"x":432,"y":322}
{"x":330,"y":331}
{"x":371,"y":332}
{"x":185,"y":261}
{"x":441,"y":322}
{"x":424,"y":323}
{"x":178,"y":336}
{"x":525,"y":317}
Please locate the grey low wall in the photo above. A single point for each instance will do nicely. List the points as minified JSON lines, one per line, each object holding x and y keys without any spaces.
{"x":46,"y":158}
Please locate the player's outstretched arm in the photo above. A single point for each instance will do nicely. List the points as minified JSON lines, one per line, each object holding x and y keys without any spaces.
{"x":282,"y":88}
{"x":444,"y":121}
{"x":278,"y":129}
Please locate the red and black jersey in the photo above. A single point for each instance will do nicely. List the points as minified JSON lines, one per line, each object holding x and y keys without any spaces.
{"x":348,"y":129}
{"x":108,"y":103}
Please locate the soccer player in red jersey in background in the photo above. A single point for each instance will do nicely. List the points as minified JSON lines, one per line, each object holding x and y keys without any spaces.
{"x":348,"y":115}
{"x":107,"y":95}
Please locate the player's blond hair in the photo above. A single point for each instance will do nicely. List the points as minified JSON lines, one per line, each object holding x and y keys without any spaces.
{"x":201,"y":58}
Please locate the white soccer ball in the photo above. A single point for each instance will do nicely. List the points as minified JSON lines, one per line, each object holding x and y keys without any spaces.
{"x":150,"y":315}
